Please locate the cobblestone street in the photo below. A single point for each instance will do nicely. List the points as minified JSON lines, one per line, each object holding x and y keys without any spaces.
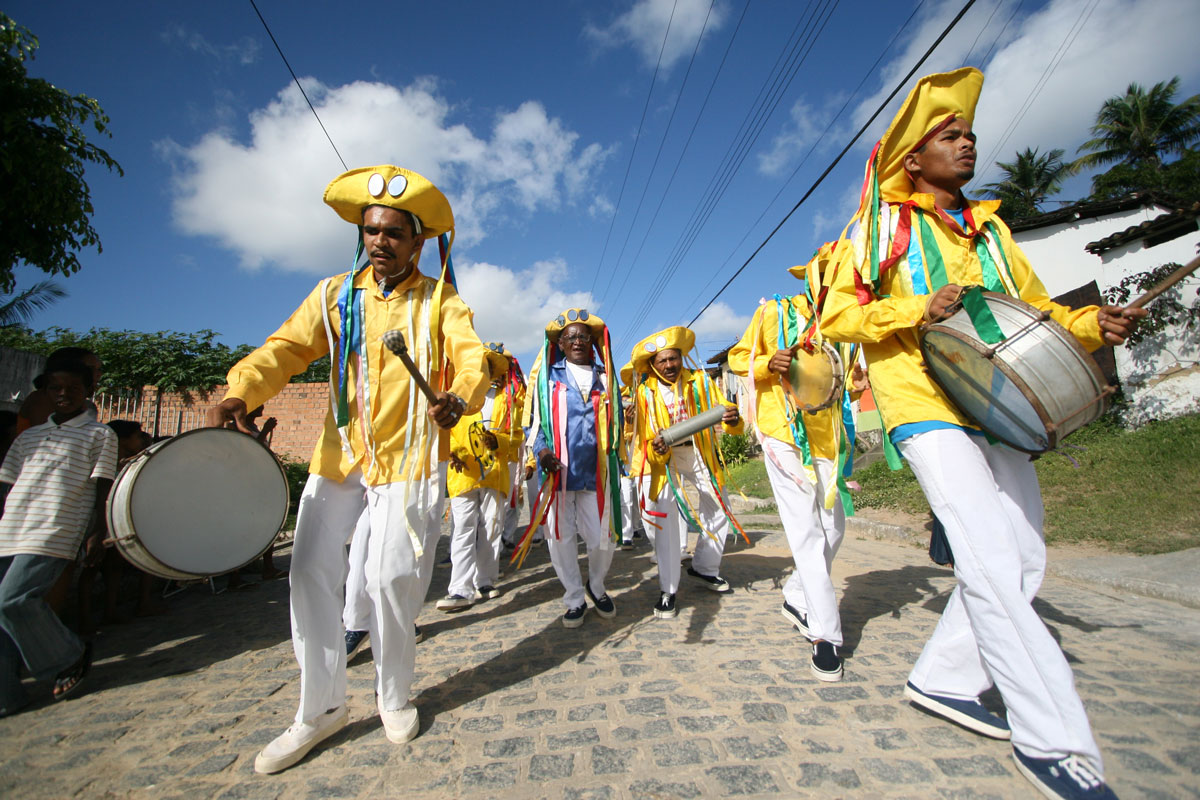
{"x":718,"y":702}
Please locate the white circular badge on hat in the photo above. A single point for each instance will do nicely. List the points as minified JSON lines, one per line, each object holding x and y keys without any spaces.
{"x":375,"y":185}
{"x":661,"y":341}
{"x":650,"y":347}
{"x":397,"y":185}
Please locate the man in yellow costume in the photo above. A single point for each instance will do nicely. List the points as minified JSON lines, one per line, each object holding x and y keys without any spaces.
{"x":804,"y":454}
{"x":916,"y":242}
{"x":482,"y":448}
{"x":380,"y":448}
{"x":664,"y":393}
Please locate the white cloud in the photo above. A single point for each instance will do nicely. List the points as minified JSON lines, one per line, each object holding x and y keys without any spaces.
{"x":719,"y":322}
{"x":1121,"y":41}
{"x":514,"y":306}
{"x":644,"y":25}
{"x":243,"y":51}
{"x":261,"y":198}
{"x":798,"y":135}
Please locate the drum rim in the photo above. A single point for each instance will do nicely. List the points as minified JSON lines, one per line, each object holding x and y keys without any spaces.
{"x":144,"y":457}
{"x":838,"y":385}
{"x":1083,"y":356}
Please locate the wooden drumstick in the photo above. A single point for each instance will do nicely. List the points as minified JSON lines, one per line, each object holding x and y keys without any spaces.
{"x":1172,"y":279}
{"x":394,"y":340}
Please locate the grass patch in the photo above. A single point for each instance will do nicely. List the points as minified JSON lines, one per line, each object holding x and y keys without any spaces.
{"x":1134,"y":491}
{"x":750,"y":477}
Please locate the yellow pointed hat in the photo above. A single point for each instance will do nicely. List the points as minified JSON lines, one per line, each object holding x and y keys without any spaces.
{"x":395,"y":187}
{"x":934,"y":102}
{"x":572,"y":316}
{"x":674,"y":338}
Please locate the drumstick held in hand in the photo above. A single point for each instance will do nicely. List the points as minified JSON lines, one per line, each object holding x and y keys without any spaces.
{"x":1172,"y":279}
{"x":394,"y":340}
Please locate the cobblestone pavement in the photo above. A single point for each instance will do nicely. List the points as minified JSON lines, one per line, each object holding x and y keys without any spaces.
{"x":717,"y":702}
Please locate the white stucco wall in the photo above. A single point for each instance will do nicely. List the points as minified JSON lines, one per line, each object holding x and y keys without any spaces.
{"x":1162,"y":375}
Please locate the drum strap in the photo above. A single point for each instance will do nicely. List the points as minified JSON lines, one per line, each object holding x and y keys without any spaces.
{"x":972,"y":300}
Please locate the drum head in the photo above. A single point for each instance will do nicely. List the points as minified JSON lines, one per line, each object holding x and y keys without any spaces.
{"x":208,"y":501}
{"x":814,"y":380}
{"x":982,"y":391}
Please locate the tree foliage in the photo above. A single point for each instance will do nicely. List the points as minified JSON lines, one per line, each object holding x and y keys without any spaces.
{"x":1169,"y":308}
{"x":45,"y":204}
{"x":1180,"y":179}
{"x":1029,"y":180}
{"x":19,"y":307}
{"x":170,"y":360}
{"x":1142,"y":127}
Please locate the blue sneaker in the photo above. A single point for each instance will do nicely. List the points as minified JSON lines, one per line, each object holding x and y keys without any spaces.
{"x":1070,"y":778}
{"x":969,"y":713}
{"x":355,"y":641}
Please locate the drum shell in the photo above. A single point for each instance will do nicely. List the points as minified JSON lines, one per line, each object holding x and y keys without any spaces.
{"x":125,"y":494}
{"x":815,"y":380}
{"x":1060,"y":381}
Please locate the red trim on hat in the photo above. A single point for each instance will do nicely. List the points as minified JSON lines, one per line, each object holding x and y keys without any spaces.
{"x":936,"y":130}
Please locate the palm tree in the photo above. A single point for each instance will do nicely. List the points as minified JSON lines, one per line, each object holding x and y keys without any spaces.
{"x":1142,"y":126}
{"x":1029,"y":180}
{"x":20,"y":307}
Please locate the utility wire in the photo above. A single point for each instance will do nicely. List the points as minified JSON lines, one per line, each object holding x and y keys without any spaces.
{"x":900,"y":85}
{"x":298,"y":86}
{"x":633,"y":151}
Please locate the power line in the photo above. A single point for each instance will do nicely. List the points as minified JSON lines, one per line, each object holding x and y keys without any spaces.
{"x":903,"y":82}
{"x":298,"y":86}
{"x":633,"y":151}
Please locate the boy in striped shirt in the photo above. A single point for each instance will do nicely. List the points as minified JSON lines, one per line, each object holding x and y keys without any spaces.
{"x":54,"y":477}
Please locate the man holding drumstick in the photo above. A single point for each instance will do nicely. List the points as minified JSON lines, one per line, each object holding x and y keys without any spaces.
{"x":916,"y":243}
{"x":380,"y":448}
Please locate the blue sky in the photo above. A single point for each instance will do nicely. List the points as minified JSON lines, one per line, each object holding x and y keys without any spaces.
{"x":527,"y":115}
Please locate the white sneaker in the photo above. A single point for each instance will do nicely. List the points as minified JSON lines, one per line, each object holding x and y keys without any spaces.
{"x":402,"y":725}
{"x":293,"y":744}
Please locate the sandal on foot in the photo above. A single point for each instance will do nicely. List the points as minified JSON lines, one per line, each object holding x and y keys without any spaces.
{"x":69,"y":679}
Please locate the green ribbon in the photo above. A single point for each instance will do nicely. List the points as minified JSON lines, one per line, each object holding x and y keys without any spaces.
{"x":981,"y":316}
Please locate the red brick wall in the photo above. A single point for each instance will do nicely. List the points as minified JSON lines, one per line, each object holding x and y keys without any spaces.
{"x":299,"y":409}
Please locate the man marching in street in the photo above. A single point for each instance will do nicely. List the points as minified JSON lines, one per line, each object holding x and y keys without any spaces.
{"x":573,"y":419}
{"x":916,"y":242}
{"x":482,"y":448}
{"x":666,"y":392}
{"x":805,"y":455}
{"x":380,"y":448}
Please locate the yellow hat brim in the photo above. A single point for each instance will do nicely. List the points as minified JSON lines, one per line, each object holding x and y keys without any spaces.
{"x":497,"y":363}
{"x":674,"y":338}
{"x":594,"y":323}
{"x":931,"y":101}
{"x":349,"y":193}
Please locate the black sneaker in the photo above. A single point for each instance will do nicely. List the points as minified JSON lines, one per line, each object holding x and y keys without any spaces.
{"x":969,"y":713}
{"x":826,"y":663}
{"x":627,"y":544}
{"x":792,"y":615}
{"x":488,"y":592}
{"x":665,"y":607}
{"x":1071,"y":777}
{"x":713,"y":582}
{"x":574,"y":616}
{"x":605,"y":607}
{"x":418,"y":634}
{"x":355,"y":641}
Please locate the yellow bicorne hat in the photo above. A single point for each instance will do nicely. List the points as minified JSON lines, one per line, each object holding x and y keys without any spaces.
{"x":674,"y":338}
{"x":395,"y":187}
{"x":575,"y":315}
{"x":498,"y":359}
{"x":934,"y":102}
{"x":626,"y":377}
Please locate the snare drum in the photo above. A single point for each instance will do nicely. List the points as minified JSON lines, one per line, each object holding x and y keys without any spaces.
{"x":1030,"y":390}
{"x":200,"y":504}
{"x":814,"y":380}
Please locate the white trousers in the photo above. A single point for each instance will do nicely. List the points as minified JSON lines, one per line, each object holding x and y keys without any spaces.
{"x":356,"y":614}
{"x":814,"y":534}
{"x":670,"y":542}
{"x":531,"y":492}
{"x":575,"y":512}
{"x":393,"y":580}
{"x":987,"y":497}
{"x":631,"y":513}
{"x":476,"y":516}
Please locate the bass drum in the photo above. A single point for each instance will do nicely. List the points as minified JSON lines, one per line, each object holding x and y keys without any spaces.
{"x":1030,"y":390}
{"x":200,"y":504}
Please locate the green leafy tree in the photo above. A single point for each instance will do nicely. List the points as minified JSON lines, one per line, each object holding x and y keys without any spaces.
{"x":45,"y":204}
{"x":1172,"y":307}
{"x":19,"y":308}
{"x":1028,"y":181}
{"x":1180,"y":179}
{"x":1142,"y":127}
